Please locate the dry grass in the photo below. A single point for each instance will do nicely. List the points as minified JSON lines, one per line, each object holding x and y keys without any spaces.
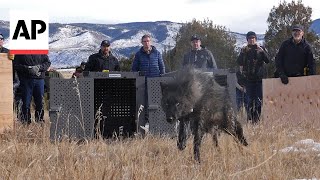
{"x":28,"y":153}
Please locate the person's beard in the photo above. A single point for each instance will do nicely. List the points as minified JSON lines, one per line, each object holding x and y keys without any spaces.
{"x":297,"y":38}
{"x":106,"y":52}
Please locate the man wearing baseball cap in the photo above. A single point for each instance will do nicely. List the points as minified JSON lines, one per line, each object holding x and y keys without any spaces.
{"x":295,"y":57}
{"x":104,"y":60}
{"x":199,"y":56}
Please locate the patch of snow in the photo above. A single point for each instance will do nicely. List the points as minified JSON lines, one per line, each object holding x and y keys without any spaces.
{"x":306,"y":145}
{"x":173,"y":30}
{"x":125,"y":30}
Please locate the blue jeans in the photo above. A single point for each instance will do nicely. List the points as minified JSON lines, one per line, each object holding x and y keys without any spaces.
{"x":254,"y":93}
{"x":32,"y":88}
{"x":242,"y":99}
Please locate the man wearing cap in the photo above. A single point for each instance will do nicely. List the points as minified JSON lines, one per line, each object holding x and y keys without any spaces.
{"x":199,"y":56}
{"x":295,"y":57}
{"x":251,"y":61}
{"x":103,"y":60}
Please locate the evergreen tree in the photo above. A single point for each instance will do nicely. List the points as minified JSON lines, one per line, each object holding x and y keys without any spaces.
{"x":126,"y":63}
{"x":214,"y":37}
{"x":280,"y":21}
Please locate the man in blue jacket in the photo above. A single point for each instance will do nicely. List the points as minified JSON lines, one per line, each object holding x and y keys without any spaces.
{"x":31,"y":70}
{"x":148,"y":59}
{"x":295,"y":57}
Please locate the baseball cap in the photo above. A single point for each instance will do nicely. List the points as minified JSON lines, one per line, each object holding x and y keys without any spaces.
{"x":105,"y":43}
{"x":251,"y":34}
{"x":195,"y":37}
{"x":297,"y":27}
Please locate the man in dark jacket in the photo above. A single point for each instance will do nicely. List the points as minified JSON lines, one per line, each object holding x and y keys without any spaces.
{"x":295,"y":57}
{"x":103,"y":60}
{"x":251,"y":60}
{"x":31,"y":71}
{"x":199,"y":56}
{"x":148,"y":59}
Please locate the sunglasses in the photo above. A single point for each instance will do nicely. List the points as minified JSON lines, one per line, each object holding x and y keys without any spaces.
{"x":1,"y":39}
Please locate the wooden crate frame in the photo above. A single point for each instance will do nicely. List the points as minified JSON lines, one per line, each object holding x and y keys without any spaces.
{"x":6,"y":92}
{"x":297,"y":102}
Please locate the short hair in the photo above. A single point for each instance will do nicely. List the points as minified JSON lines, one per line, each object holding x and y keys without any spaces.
{"x":145,"y":36}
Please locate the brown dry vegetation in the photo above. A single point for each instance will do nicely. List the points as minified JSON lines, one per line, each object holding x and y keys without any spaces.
{"x":28,"y":153}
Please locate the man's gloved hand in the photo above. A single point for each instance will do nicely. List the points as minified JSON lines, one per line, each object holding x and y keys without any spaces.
{"x":34,"y":70}
{"x":284,"y":79}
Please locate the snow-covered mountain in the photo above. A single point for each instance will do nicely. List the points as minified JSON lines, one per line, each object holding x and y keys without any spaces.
{"x":70,"y":44}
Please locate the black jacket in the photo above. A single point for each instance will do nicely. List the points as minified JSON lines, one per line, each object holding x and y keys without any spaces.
{"x":293,"y":58}
{"x":22,"y":62}
{"x":253,"y":62}
{"x":98,"y":62}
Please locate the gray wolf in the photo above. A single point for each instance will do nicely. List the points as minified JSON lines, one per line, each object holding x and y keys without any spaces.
{"x":195,"y":97}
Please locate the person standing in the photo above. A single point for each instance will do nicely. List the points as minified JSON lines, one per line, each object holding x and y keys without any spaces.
{"x":295,"y":57}
{"x":199,"y":56}
{"x":148,"y":61}
{"x":31,"y":70}
{"x":104,"y":60}
{"x":251,"y":60}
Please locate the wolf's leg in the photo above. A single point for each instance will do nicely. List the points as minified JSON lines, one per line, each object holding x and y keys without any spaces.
{"x":182,"y":136}
{"x":198,"y":134}
{"x":214,"y":133}
{"x":239,"y":133}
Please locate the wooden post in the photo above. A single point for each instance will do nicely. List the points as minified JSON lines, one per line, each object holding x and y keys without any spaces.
{"x":297,"y":102}
{"x":6,"y":92}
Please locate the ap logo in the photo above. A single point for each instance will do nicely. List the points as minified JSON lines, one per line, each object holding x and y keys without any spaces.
{"x":29,"y":32}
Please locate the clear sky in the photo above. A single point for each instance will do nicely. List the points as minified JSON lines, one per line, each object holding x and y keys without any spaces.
{"x":237,"y":15}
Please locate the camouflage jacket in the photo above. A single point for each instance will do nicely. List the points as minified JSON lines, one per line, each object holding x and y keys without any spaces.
{"x":253,"y":62}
